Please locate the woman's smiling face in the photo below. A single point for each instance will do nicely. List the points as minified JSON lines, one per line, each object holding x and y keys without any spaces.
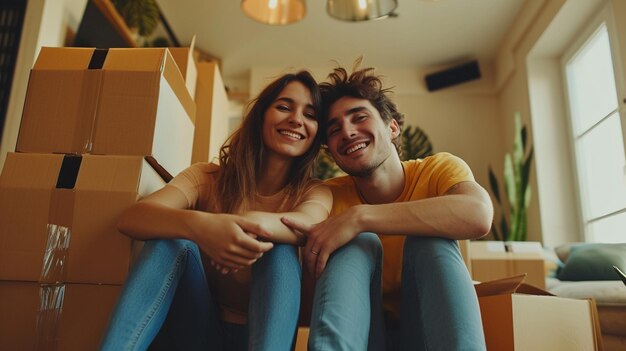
{"x":290,"y":123}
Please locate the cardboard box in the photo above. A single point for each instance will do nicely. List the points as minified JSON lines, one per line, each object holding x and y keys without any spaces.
{"x":211,"y":125}
{"x":108,"y":102}
{"x":58,"y":216}
{"x":517,"y":316}
{"x":490,"y":260}
{"x":54,"y":317}
{"x":302,"y":339}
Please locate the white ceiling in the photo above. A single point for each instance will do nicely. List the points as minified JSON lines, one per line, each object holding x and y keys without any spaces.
{"x":424,"y":33}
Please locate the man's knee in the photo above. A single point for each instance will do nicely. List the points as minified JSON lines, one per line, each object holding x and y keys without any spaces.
{"x":429,"y":248}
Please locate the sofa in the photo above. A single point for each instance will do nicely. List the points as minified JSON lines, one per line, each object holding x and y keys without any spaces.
{"x":586,"y":271}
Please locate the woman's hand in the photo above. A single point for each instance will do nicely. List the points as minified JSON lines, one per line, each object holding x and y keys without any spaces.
{"x":230,"y":240}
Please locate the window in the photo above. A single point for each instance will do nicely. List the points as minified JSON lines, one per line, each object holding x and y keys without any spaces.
{"x":597,"y":135}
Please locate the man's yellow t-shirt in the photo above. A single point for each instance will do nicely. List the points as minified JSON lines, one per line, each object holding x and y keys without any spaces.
{"x":424,"y":178}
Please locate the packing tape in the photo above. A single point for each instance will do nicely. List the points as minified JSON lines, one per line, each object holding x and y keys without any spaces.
{"x":55,"y":256}
{"x":51,"y":298}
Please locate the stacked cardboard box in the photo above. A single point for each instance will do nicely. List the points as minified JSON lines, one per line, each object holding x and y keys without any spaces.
{"x":492,"y":260}
{"x":100,"y":129}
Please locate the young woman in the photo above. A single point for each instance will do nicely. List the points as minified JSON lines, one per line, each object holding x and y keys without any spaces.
{"x":192,"y":291}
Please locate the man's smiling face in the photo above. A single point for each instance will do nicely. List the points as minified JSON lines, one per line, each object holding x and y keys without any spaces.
{"x":357,"y":137}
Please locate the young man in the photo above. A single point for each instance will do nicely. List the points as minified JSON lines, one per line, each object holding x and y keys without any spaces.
{"x":419,"y":208}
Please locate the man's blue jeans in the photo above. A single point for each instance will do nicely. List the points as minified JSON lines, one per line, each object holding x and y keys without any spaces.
{"x":439,"y":307}
{"x":166,"y":302}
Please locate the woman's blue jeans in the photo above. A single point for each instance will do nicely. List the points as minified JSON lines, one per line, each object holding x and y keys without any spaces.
{"x":439,"y":307}
{"x":166,"y":303}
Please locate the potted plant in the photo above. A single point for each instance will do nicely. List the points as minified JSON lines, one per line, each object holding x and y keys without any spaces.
{"x":513,"y":224}
{"x":141,"y":16}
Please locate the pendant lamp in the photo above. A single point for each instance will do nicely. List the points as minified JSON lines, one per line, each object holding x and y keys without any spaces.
{"x":275,"y":12}
{"x":360,"y":10}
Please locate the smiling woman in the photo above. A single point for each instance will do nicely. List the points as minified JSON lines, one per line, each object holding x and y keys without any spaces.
{"x":212,"y":222}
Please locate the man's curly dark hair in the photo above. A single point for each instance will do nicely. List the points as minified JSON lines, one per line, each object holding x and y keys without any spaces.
{"x":360,"y":84}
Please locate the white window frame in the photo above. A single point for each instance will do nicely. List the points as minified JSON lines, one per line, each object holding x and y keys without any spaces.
{"x":606,"y":16}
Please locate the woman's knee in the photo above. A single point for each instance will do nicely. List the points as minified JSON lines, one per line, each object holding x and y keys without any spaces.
{"x":281,"y":257}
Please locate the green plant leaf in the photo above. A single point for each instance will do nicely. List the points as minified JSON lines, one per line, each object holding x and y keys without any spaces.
{"x":504,"y":227}
{"x":518,"y":149}
{"x":509,"y":180}
{"x":526,"y":169}
{"x":325,"y":166}
{"x":415,"y":144}
{"x":140,"y":14}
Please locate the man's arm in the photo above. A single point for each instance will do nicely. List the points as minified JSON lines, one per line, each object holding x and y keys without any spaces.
{"x":463,"y":212}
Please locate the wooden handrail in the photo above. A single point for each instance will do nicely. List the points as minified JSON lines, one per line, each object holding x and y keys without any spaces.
{"x":109,"y":11}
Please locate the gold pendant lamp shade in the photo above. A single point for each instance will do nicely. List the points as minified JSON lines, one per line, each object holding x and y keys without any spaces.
{"x":360,"y":10}
{"x":275,"y":12}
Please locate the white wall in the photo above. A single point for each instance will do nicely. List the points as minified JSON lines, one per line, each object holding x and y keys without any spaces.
{"x":45,"y":24}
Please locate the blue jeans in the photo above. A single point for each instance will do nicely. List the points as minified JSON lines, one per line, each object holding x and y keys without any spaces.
{"x":347,"y":296}
{"x":166,"y":303}
{"x":439,"y":307}
{"x":347,"y":305}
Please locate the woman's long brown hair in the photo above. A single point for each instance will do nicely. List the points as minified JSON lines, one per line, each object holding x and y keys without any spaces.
{"x":242,"y":153}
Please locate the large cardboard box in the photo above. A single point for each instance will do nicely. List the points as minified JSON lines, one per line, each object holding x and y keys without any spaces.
{"x":212,"y":102}
{"x":58,"y":216}
{"x":492,"y":260}
{"x":109,"y":102}
{"x":521,"y":317}
{"x":54,"y":317}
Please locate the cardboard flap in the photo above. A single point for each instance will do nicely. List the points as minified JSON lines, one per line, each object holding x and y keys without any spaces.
{"x":34,"y":171}
{"x":500,"y":286}
{"x":532,"y":290}
{"x":509,"y":285}
{"x":175,"y":79}
{"x":110,"y":173}
{"x":63,"y":58}
{"x":187,"y":65}
{"x":144,"y":59}
{"x":184,"y":57}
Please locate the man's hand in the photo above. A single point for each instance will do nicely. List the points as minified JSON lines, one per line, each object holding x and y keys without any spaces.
{"x":230,"y":240}
{"x":325,"y":237}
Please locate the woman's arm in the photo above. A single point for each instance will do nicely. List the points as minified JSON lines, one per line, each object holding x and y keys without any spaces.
{"x":313,"y":209}
{"x":164,"y":215}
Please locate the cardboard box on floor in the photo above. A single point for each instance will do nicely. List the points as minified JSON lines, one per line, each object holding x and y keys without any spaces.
{"x":54,"y":317}
{"x":302,"y":338}
{"x":490,"y":260}
{"x":109,"y":102}
{"x":58,"y":216}
{"x":518,"y":316}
